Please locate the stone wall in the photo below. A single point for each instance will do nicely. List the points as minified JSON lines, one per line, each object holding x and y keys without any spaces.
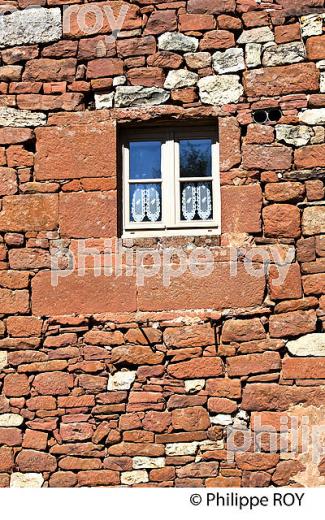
{"x":108,"y":382}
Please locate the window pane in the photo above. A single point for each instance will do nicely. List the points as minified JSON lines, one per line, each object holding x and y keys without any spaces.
{"x":145,"y":160}
{"x":195,"y":157}
{"x":196,"y":201}
{"x":145,"y":202}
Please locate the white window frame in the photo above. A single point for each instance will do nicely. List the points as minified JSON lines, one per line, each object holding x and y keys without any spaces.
{"x":171,"y":223}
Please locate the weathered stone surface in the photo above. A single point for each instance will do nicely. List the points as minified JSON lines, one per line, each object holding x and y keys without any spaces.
{"x":197,"y":60}
{"x":196,"y":368}
{"x":82,"y":294}
{"x":225,"y":289}
{"x":172,"y":41}
{"x":263,"y":396}
{"x":231,"y":60}
{"x":294,"y":135}
{"x":121,"y":380}
{"x":180,"y":78}
{"x":253,"y":55}
{"x":312,"y":156}
{"x":273,"y":81}
{"x":190,"y":419}
{"x":77,"y":152}
{"x":26,"y":480}
{"x":266,"y":157}
{"x":3,"y":359}
{"x":256,"y":35}
{"x":253,"y":364}
{"x":104,"y":100}
{"x":33,"y":25}
{"x":230,"y":147}
{"x":309,"y":345}
{"x":243,"y":330}
{"x":311,"y":25}
{"x":21,"y":118}
{"x":148,"y":462}
{"x":140,"y":96}
{"x":292,"y":324}
{"x":314,"y":116}
{"x":284,"y":54}
{"x":215,"y":90}
{"x":130,"y":478}
{"x":190,"y":336}
{"x":211,"y":6}
{"x":281,"y":220}
{"x":303,"y":368}
{"x":29,"y":213}
{"x":313,"y":220}
{"x":136,"y":355}
{"x":9,"y":420}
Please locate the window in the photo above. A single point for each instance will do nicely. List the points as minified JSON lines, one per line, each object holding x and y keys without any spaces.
{"x":171,"y":182}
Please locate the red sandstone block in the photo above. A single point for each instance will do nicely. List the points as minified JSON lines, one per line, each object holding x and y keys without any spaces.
{"x":256,"y":19}
{"x":229,"y":139}
{"x":7,"y":462}
{"x":17,"y":54}
{"x":241,"y":209}
{"x":282,"y":220}
{"x":16,"y":385}
{"x":266,"y":396}
{"x":35,"y":461}
{"x":221,"y":405}
{"x":266,"y":157}
{"x":253,"y":364}
{"x":243,"y":330}
{"x":102,"y":477}
{"x":18,"y":156}
{"x":11,"y":436}
{"x":143,"y":46}
{"x":53,"y":383}
{"x":76,"y":432}
{"x":310,"y":156}
{"x":285,"y":282}
{"x":46,"y":69}
{"x":211,"y":6}
{"x":82,"y":294}
{"x":218,"y":39}
{"x":223,"y":482}
{"x":15,"y":135}
{"x":315,"y":47}
{"x":303,"y":368}
{"x":8,"y":181}
{"x":75,"y":152}
{"x":314,"y":284}
{"x":294,"y":323}
{"x":146,"y":76}
{"x":35,"y":440}
{"x":191,"y":336}
{"x":196,"y":22}
{"x":190,"y":419}
{"x":29,"y":258}
{"x":63,"y":479}
{"x":12,"y":302}
{"x":66,"y":101}
{"x":274,"y":81}
{"x":196,"y":368}
{"x":161,"y":21}
{"x":83,"y":215}
{"x":230,"y":388}
{"x":287,"y":33}
{"x":256,"y":461}
{"x":103,"y":67}
{"x":29,"y":213}
{"x":25,"y":87}
{"x":60,"y":49}
{"x":229,"y":286}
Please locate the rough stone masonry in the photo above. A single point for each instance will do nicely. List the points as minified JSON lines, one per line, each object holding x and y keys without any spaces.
{"x":104,"y":383}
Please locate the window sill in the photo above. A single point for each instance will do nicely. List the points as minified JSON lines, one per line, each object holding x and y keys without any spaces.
{"x":151,"y":233}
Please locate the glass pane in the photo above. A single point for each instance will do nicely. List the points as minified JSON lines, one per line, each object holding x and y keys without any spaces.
{"x":145,"y":202}
{"x":145,"y":160}
{"x":195,"y":157}
{"x":196,"y":201}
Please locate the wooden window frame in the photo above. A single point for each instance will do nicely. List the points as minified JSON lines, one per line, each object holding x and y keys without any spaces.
{"x":171,"y":224}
